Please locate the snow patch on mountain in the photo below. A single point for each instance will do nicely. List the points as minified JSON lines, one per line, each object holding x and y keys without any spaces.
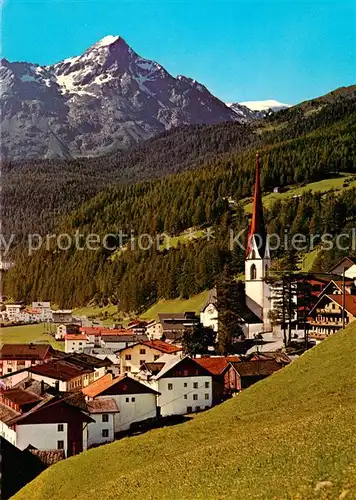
{"x":265,"y":105}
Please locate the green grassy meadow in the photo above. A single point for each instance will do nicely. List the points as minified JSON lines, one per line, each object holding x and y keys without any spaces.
{"x":29,"y":333}
{"x":315,"y":187}
{"x":194,"y":303}
{"x":291,"y":436}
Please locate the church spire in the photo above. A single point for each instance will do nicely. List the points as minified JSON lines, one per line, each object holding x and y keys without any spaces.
{"x":257,"y":229}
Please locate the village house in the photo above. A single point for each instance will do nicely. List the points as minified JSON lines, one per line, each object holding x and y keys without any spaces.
{"x":184,"y":386}
{"x":62,"y":316}
{"x":13,"y":310}
{"x":255,"y":370}
{"x":45,"y":311}
{"x":175,"y":324}
{"x":117,"y":341}
{"x":70,"y":373}
{"x":154,"y":330}
{"x":38,"y":419}
{"x":342,"y":265}
{"x":136,"y":401}
{"x":134,"y":356}
{"x":75,"y":342}
{"x":66,"y":329}
{"x":209,"y":311}
{"x":225,"y":378}
{"x":15,"y":357}
{"x":102,"y":411}
{"x":330,"y":313}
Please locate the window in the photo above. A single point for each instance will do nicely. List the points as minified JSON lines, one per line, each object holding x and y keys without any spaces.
{"x":195,"y":397}
{"x":9,"y":370}
{"x":170,"y":387}
{"x":105,"y":417}
{"x":128,"y":357}
{"x":189,"y":409}
{"x":127,"y":400}
{"x":142,"y":351}
{"x":207,"y":385}
{"x":185,"y":396}
{"x":207,"y":407}
{"x":60,"y":428}
{"x":206,"y":396}
{"x":185,"y":384}
{"x":128,"y":368}
{"x":195,"y":385}
{"x":133,"y":400}
{"x":105,"y":433}
{"x":197,"y":408}
{"x":253,"y":272}
{"x":60,"y":445}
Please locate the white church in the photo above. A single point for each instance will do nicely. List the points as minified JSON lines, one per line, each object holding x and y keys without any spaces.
{"x":257,"y":264}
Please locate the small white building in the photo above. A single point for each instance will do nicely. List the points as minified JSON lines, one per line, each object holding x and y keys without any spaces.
{"x":13,"y":311}
{"x":75,"y":342}
{"x":209,"y":311}
{"x":136,"y":401}
{"x":102,"y":429}
{"x":45,"y":311}
{"x":183,"y":385}
{"x":154,"y":330}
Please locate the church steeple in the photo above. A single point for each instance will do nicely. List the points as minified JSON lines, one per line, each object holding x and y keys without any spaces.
{"x":257,"y":235}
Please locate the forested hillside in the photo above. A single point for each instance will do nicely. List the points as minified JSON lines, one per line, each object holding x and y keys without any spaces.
{"x":37,"y":193}
{"x":317,"y":143}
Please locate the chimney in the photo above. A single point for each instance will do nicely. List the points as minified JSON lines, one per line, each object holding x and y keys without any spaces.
{"x":42,"y":388}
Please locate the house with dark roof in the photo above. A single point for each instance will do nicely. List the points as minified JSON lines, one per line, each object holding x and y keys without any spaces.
{"x":255,"y":370}
{"x":175,"y":324}
{"x":184,"y":385}
{"x":330,"y":314}
{"x":134,"y":356}
{"x":15,"y":357}
{"x":135,"y":401}
{"x":343,"y":264}
{"x":45,"y":421}
{"x":225,"y":378}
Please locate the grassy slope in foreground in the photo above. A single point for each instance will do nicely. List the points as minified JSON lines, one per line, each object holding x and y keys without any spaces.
{"x":282,"y":438}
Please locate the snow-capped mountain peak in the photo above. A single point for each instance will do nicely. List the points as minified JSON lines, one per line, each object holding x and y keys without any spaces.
{"x":265,"y":105}
{"x":104,"y":99}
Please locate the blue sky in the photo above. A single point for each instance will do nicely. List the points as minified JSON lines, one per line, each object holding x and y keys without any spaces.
{"x":242,"y":50}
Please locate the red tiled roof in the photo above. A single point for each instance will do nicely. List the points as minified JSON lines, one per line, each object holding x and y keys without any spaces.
{"x":25,"y":351}
{"x":98,"y":386}
{"x":92,"y":330}
{"x":162,"y":346}
{"x":350,"y":302}
{"x":216,"y":365}
{"x":73,"y":336}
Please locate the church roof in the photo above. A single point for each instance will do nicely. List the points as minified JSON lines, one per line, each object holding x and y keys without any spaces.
{"x":257,"y":228}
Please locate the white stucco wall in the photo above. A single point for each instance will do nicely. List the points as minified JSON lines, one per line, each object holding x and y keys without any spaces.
{"x":351,"y":273}
{"x":181,"y":396}
{"x":7,"y":433}
{"x":42,"y":436}
{"x":142,"y":408}
{"x":209,"y":318}
{"x":74,"y":345}
{"x":95,"y":429}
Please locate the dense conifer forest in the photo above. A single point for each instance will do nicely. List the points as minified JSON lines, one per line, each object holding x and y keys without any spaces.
{"x":200,"y":177}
